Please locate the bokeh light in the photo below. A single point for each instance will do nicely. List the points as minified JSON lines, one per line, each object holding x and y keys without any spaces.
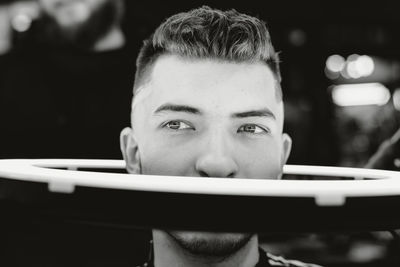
{"x":21,"y":22}
{"x":360,"y":94}
{"x":335,"y":63}
{"x":365,"y":65}
{"x":354,"y":67}
{"x":352,"y":70}
{"x":396,"y":99}
{"x":297,"y":37}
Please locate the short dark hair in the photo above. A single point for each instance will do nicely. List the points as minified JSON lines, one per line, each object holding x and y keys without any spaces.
{"x":210,"y":33}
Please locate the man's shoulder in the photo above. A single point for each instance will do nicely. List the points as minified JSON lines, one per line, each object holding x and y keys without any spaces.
{"x":273,"y":260}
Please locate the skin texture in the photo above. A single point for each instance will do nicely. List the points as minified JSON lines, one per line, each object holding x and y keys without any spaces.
{"x":207,"y":118}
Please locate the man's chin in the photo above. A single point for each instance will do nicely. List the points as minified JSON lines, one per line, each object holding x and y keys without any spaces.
{"x":212,"y":245}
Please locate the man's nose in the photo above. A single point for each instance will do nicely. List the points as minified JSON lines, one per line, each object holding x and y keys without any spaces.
{"x":217,"y":159}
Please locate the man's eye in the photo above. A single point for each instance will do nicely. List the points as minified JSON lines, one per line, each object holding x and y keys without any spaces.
{"x":178,"y":125}
{"x":251,"y":128}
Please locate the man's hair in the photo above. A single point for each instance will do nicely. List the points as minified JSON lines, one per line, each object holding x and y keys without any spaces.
{"x":206,"y":33}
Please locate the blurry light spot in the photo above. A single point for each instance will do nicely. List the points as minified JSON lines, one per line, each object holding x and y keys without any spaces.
{"x":396,"y":162}
{"x":5,"y":33}
{"x":297,"y":37}
{"x":365,"y":65}
{"x":335,"y":63}
{"x":364,"y":252}
{"x":5,"y":46}
{"x":360,"y":94}
{"x":331,"y":75}
{"x":352,"y":70}
{"x":354,"y":67}
{"x":345,"y":74}
{"x":396,"y":99}
{"x":352,"y":57}
{"x":21,"y":22}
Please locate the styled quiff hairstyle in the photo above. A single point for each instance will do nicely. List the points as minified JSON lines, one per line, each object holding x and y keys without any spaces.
{"x":206,"y":33}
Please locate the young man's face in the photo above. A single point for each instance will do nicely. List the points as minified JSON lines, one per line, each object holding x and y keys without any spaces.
{"x":207,"y":118}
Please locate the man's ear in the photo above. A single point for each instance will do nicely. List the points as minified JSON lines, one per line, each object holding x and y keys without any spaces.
{"x":130,"y":151}
{"x":286,"y":148}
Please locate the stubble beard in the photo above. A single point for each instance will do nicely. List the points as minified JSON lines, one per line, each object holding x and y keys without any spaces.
{"x":211,"y":245}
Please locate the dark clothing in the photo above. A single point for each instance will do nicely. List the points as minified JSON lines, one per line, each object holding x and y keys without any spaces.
{"x":62,"y":102}
{"x":266,"y":260}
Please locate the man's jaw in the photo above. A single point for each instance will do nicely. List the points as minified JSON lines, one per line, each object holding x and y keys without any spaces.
{"x":208,"y":245}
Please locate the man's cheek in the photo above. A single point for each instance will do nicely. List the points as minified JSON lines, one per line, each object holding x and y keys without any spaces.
{"x":259,"y":163}
{"x":171,"y":162}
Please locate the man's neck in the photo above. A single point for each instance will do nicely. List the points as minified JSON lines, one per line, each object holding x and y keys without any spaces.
{"x":113,"y":39}
{"x":168,"y":253}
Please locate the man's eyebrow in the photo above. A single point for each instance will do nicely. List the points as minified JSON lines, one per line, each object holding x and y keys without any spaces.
{"x":255,"y":113}
{"x":177,"y":108}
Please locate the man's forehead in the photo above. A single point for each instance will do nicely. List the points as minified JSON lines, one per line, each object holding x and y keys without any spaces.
{"x":168,"y":66}
{"x":174,"y":77}
{"x":210,"y":86}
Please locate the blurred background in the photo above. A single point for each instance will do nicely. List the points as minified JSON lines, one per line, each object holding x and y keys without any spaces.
{"x":66,"y":75}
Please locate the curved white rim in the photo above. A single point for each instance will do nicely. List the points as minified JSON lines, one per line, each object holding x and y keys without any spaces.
{"x":327,"y":192}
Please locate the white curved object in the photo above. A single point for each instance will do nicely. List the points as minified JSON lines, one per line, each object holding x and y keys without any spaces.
{"x":325,"y":192}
